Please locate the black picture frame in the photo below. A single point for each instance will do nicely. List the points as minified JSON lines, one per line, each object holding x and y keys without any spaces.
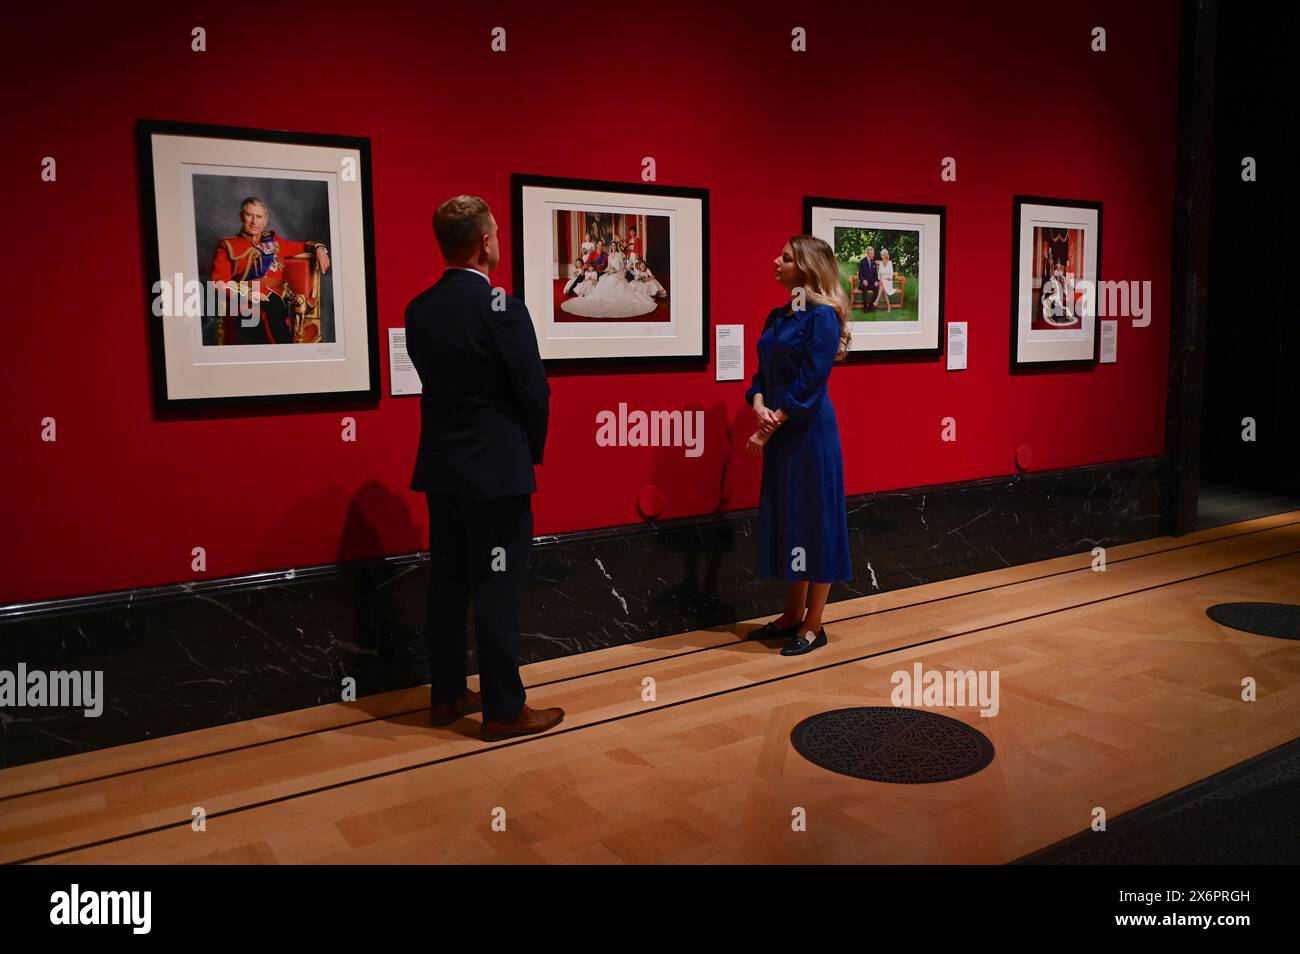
{"x":1015,"y":363}
{"x":146,"y":129}
{"x":862,"y":205}
{"x":519,"y":181}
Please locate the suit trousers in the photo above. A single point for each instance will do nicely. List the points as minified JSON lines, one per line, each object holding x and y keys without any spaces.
{"x":478,"y":552}
{"x":869,"y":292}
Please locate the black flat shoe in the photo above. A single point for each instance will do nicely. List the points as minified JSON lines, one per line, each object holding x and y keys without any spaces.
{"x":801,"y":643}
{"x":769,"y":631}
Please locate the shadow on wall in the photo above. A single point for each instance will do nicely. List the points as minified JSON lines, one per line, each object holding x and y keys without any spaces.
{"x":703,"y":543}
{"x":376,"y":624}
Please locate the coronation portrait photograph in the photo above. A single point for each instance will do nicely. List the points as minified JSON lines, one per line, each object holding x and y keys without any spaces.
{"x":1055,"y":268}
{"x":261,"y":284}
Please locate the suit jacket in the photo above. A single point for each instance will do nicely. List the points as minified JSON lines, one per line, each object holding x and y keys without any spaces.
{"x":867,"y":272}
{"x":485,"y":400}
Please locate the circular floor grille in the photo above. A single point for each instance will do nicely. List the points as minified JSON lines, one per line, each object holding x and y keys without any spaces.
{"x":1262,"y":619}
{"x":890,"y":744}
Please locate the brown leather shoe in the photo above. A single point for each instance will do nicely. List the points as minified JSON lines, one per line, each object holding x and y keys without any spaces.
{"x":448,"y":712}
{"x":527,"y":722}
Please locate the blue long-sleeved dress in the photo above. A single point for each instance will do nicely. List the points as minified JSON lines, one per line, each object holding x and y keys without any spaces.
{"x":801,"y":503}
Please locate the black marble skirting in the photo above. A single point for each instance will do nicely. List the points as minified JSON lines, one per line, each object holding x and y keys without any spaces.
{"x":185,"y":657}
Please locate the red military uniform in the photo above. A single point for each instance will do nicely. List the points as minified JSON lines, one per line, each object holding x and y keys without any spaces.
{"x":239,"y":259}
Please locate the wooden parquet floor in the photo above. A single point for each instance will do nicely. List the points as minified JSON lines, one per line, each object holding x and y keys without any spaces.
{"x":1115,"y":689}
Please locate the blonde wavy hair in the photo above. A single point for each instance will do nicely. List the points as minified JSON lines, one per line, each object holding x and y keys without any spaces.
{"x":816,"y":262}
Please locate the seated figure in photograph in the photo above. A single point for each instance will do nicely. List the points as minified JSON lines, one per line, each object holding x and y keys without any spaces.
{"x":868,"y":279}
{"x":588,"y":283}
{"x":579,"y":272}
{"x":645,"y":280}
{"x":617,"y":259}
{"x":257,"y":254}
{"x":885,"y":271}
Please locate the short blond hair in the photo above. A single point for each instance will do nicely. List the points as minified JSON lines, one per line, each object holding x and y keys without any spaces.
{"x":460,"y":224}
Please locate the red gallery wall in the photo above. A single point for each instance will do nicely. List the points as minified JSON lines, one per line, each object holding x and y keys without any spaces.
{"x":713,"y":93}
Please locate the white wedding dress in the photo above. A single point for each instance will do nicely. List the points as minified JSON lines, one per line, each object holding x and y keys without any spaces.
{"x":611,"y":297}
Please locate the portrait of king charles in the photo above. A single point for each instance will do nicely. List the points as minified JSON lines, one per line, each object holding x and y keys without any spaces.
{"x":281,"y":275}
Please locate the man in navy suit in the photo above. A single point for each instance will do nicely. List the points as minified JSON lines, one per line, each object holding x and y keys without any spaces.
{"x":483,"y":416}
{"x":868,"y":279}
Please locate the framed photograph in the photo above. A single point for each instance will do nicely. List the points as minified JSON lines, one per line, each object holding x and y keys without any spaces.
{"x":1055,"y":267}
{"x":891,"y":260}
{"x":613,"y":272}
{"x":260,"y":265}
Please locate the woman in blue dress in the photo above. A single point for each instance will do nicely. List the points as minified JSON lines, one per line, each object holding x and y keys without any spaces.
{"x":803,"y":535}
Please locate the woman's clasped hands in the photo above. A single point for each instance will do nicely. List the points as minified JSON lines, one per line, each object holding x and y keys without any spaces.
{"x":768,"y":422}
